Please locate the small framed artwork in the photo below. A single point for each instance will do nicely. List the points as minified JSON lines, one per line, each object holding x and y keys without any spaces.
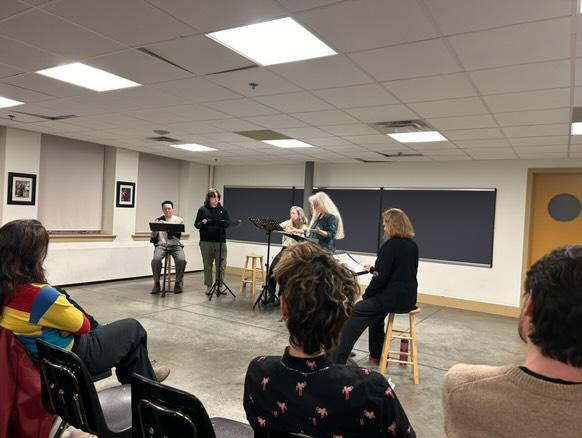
{"x":125,"y":194}
{"x":21,"y":188}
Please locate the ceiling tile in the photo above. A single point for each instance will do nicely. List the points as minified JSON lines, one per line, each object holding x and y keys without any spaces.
{"x":473,"y":134}
{"x":529,"y":100}
{"x":267,"y":82}
{"x":369,"y":139}
{"x":198,"y":112}
{"x":197,"y":128}
{"x":7,"y":70}
{"x":329,"y":142}
{"x":535,"y":149}
{"x":327,"y":72}
{"x":300,"y":5}
{"x":525,"y":77}
{"x":449,"y":108}
{"x":539,"y":117}
{"x":431,"y":88}
{"x":195,"y":90}
{"x":373,"y":23}
{"x":456,"y":16}
{"x":213,"y":15}
{"x":532,"y":42}
{"x":241,"y":107}
{"x":138,"y":67}
{"x":132,"y":22}
{"x":357,"y":96}
{"x":536,"y":130}
{"x":426,"y":58}
{"x":37,"y":28}
{"x":383,"y":113}
{"x":323,"y":118}
{"x":542,"y":155}
{"x":433,"y":146}
{"x":200,"y":55}
{"x":235,"y":125}
{"x":488,"y":151}
{"x":11,"y":7}
{"x":355,"y":129}
{"x":45,"y":85}
{"x":303,"y":133}
{"x":578,"y":70}
{"x":295,"y":102}
{"x":26,"y":57}
{"x":501,"y":156}
{"x":466,"y":122}
{"x":540,"y":141}
{"x":477,"y":144}
{"x":157,"y":116}
{"x":277,"y":121}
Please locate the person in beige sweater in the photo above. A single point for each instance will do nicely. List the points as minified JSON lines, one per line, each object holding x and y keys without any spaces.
{"x":542,"y":398}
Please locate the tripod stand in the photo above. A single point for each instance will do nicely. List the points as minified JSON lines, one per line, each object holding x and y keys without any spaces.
{"x":269,"y":225}
{"x":219,"y":282}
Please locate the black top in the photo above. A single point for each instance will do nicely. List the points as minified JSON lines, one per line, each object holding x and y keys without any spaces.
{"x":327,"y":223}
{"x":546,"y":378}
{"x":394,"y":282}
{"x":321,"y":399}
{"x":209,"y":232}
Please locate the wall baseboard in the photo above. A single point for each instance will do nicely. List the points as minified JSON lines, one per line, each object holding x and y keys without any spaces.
{"x":437,"y":300}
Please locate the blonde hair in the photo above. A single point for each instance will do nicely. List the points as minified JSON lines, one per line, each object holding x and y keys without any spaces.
{"x":399,"y":224}
{"x":327,"y":206}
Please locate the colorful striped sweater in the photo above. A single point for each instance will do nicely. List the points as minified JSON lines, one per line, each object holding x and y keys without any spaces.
{"x":39,"y":311}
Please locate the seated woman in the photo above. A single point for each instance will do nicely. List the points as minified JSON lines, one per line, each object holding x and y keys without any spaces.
{"x":32,"y":309}
{"x":393,"y":287}
{"x":303,"y":391}
{"x":296,"y":224}
{"x":326,"y":222}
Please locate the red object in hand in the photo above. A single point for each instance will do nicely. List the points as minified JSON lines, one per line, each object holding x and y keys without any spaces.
{"x":403,"y":349}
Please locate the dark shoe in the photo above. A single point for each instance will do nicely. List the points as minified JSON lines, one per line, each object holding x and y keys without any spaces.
{"x":208,"y":289}
{"x":352,"y":354}
{"x":375,"y":360}
{"x":156,"y":289}
{"x":178,"y":288}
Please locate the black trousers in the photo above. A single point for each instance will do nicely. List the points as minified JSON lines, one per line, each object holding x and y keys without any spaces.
{"x":365,"y":314}
{"x":272,"y":281}
{"x":120,"y":344}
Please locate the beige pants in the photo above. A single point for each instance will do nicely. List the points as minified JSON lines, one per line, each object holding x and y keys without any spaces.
{"x":210,"y":254}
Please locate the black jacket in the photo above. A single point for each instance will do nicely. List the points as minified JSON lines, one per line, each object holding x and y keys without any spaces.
{"x":209,"y":232}
{"x":394,"y":282}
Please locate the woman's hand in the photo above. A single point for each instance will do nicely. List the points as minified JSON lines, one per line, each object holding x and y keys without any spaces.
{"x":204,"y":221}
{"x":367,"y":267}
{"x":320,"y":232}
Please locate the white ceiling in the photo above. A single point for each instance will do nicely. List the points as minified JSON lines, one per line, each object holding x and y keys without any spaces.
{"x":497,"y":77}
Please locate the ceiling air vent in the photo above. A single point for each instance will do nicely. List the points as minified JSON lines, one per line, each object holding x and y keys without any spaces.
{"x":263,"y":134}
{"x":42,"y":116}
{"x":401,"y":126}
{"x":163,"y":138}
{"x":402,"y":154}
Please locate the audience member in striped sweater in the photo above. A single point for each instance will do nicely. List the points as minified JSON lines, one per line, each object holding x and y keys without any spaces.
{"x":32,"y":310}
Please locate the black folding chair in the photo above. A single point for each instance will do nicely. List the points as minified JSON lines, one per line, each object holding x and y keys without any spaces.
{"x":69,"y":392}
{"x":162,"y":411}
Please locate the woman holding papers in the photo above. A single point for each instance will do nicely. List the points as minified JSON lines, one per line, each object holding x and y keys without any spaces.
{"x":296,"y":224}
{"x":393,"y":287}
{"x":326,"y":222}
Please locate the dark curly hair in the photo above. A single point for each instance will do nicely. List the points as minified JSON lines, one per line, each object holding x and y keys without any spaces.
{"x":555,"y":285}
{"x":23,"y":248}
{"x":211,"y":193}
{"x":319,"y":293}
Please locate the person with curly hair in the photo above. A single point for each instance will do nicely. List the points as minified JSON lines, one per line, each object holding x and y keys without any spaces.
{"x":303,"y":391}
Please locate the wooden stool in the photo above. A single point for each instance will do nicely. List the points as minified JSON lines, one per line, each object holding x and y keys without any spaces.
{"x":409,"y":335}
{"x":169,"y":273}
{"x":253,"y":271}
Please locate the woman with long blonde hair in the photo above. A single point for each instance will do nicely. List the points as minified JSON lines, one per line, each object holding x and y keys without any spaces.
{"x":393,"y":288}
{"x":326,"y":222}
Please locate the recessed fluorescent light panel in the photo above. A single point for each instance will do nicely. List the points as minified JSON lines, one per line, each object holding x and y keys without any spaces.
{"x":418,"y":137}
{"x":273,"y":42}
{"x":288,"y":143}
{"x":576,"y":128}
{"x":193,"y":147}
{"x":7,"y":103}
{"x":88,"y":77}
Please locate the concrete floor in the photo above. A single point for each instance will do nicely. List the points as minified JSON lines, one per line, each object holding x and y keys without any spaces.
{"x":208,"y":345}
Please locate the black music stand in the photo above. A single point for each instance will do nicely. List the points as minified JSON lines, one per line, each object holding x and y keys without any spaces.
{"x":215,"y":289}
{"x":170,"y":229}
{"x":269,"y":225}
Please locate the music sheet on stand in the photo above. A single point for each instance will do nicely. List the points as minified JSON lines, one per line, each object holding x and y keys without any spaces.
{"x":349,"y":262}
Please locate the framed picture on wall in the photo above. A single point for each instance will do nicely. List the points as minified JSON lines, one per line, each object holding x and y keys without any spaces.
{"x":125,"y":194}
{"x":21,"y":188}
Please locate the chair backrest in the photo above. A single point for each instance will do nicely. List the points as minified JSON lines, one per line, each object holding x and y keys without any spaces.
{"x":67,"y":389}
{"x":162,"y":411}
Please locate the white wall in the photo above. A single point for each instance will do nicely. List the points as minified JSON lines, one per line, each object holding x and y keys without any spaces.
{"x":80,"y":262}
{"x":497,"y":285}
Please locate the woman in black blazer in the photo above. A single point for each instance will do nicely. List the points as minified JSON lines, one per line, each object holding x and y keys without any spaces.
{"x":393,"y":288}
